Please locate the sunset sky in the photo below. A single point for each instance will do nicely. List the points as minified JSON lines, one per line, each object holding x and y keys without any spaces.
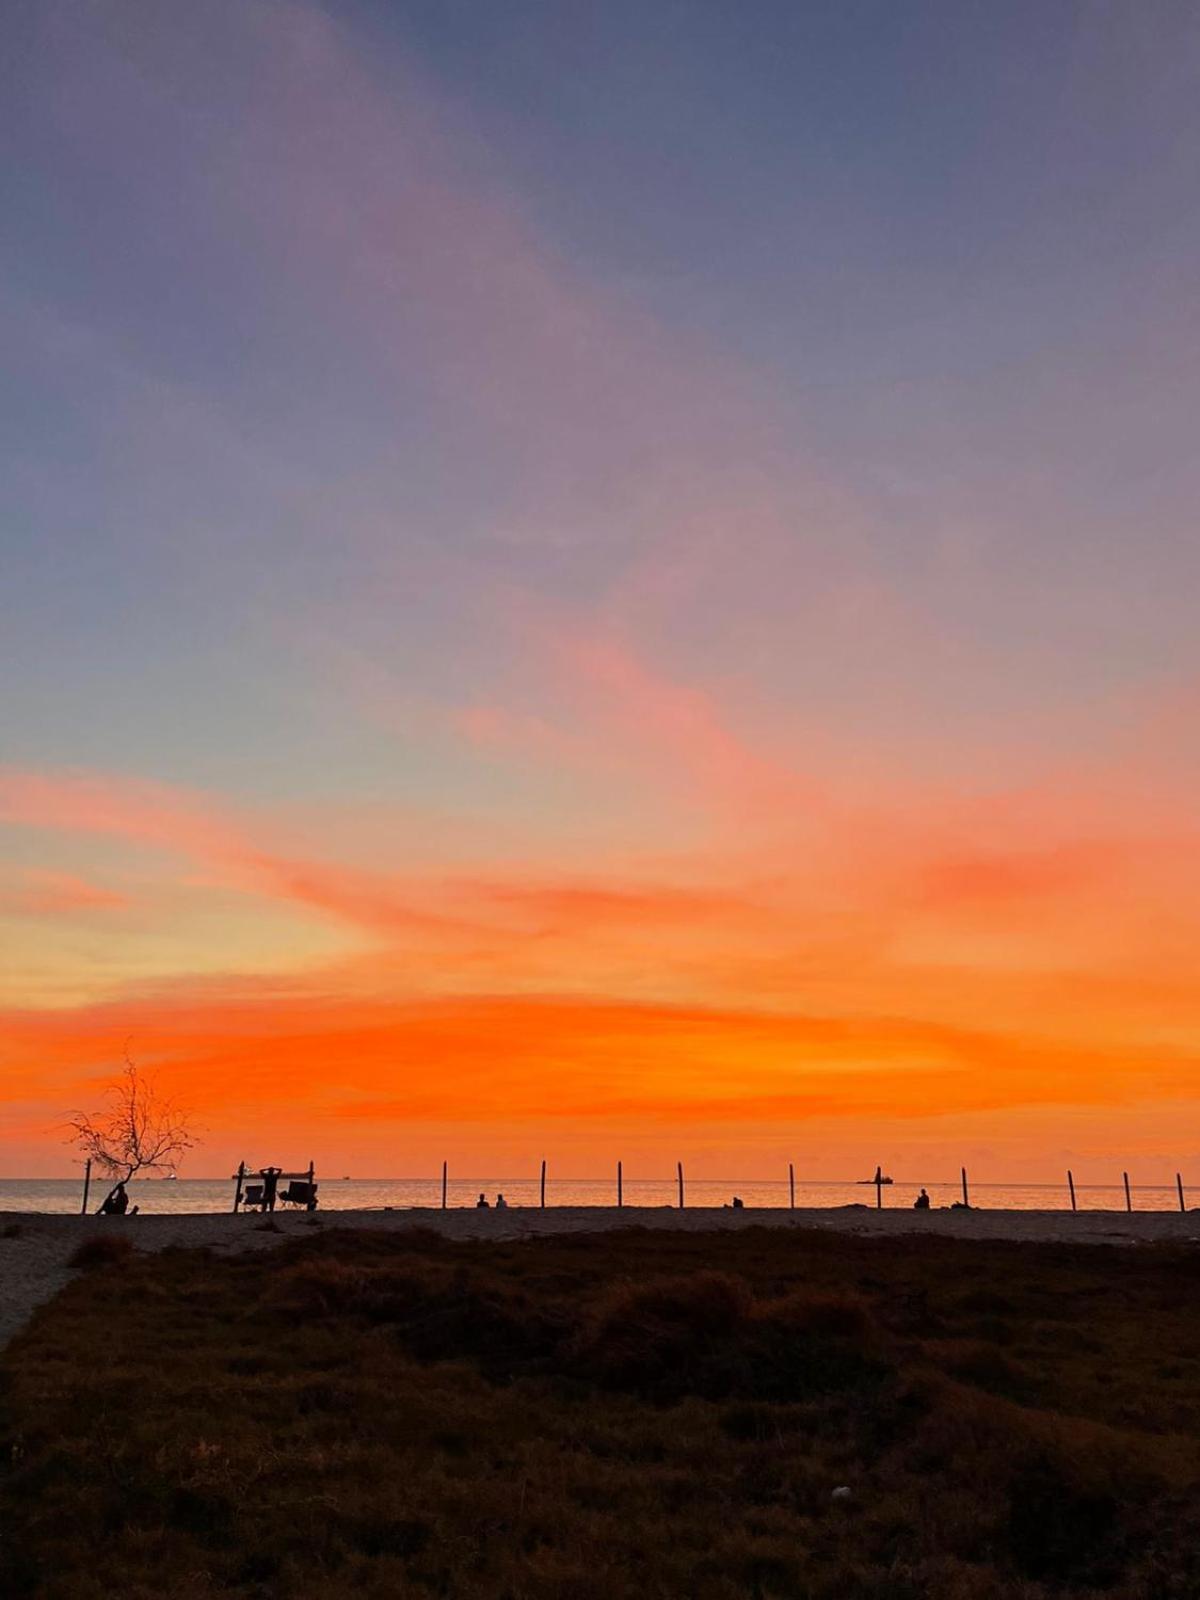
{"x":604,"y":579}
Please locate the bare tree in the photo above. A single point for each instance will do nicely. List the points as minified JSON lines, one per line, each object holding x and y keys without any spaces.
{"x":138,"y":1131}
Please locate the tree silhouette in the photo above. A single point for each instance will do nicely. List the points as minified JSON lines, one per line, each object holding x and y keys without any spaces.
{"x":138,"y":1131}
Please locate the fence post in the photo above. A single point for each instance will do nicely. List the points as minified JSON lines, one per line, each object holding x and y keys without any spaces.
{"x":445,"y":1166}
{"x":237,"y":1193}
{"x":966,"y":1195}
{"x":620,"y":1187}
{"x":1179,"y":1186}
{"x":1128,"y":1197}
{"x":679,"y":1169}
{"x":543,"y":1183}
{"x":1071,"y":1186}
{"x":791,"y":1186}
{"x":879,"y":1188}
{"x":87,"y":1183}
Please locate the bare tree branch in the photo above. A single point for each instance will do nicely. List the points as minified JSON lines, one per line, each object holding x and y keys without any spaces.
{"x":139,"y":1131}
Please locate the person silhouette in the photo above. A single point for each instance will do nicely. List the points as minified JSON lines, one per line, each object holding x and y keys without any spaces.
{"x":116,"y":1202}
{"x":501,"y":1203}
{"x":921,"y":1203}
{"x":482,"y":1203}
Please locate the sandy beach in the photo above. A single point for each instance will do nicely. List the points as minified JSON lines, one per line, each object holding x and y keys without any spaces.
{"x":34,"y":1249}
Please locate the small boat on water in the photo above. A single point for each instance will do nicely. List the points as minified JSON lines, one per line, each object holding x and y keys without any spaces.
{"x":877,"y":1179}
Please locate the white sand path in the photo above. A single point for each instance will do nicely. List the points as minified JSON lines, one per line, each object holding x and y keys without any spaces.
{"x":34,"y":1248}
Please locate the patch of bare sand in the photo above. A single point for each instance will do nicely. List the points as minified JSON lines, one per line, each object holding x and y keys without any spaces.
{"x":34,"y":1248}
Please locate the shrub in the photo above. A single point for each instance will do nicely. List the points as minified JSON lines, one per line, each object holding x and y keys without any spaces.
{"x":101,"y":1250}
{"x":707,"y":1335}
{"x":660,"y":1335}
{"x":1059,"y":1524}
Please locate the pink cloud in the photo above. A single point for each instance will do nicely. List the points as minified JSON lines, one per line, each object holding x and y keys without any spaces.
{"x":52,"y":894}
{"x":158,"y":815}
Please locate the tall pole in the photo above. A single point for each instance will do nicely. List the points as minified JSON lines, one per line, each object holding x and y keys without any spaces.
{"x":543,"y":1183}
{"x":1071,"y":1186}
{"x":679,"y":1169}
{"x":1179,"y":1186}
{"x":237,"y":1193}
{"x":620,"y":1187}
{"x":966,"y":1195}
{"x":791,"y":1186}
{"x":879,"y":1188}
{"x":1128,"y":1196}
{"x":87,"y":1183}
{"x":445,"y":1166}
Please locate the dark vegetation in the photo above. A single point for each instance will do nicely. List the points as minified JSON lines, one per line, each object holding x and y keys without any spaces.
{"x":643,"y":1414}
{"x":102,"y":1250}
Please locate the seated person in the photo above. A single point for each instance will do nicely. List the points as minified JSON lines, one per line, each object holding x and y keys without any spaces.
{"x":501,"y":1203}
{"x":116,"y":1203}
{"x":738,"y":1203}
{"x":921,"y":1203}
{"x":482,"y":1203}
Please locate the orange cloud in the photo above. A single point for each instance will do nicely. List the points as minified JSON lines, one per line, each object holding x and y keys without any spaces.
{"x":370,"y":1074}
{"x":388,"y":905}
{"x":514,"y":1059}
{"x":905,"y":973}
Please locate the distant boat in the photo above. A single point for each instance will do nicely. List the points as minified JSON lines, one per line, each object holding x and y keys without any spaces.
{"x":171,"y":1177}
{"x":877,"y":1179}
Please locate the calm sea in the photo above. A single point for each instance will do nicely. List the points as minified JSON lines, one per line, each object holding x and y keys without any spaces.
{"x":336,"y":1194}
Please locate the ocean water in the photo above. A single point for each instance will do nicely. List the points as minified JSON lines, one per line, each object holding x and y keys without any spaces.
{"x":63,"y":1195}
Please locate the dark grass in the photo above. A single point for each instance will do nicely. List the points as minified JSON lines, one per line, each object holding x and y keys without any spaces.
{"x":642,"y":1414}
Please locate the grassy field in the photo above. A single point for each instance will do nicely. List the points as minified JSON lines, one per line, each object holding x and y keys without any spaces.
{"x":591,"y":1417}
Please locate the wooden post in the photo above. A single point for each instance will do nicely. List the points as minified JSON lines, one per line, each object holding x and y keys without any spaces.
{"x":966,"y":1194}
{"x":679,"y":1169}
{"x":237,"y":1193}
{"x":1071,"y":1186}
{"x":543,"y":1183}
{"x":1179,"y":1186}
{"x":879,"y":1188}
{"x":620,"y":1187}
{"x":87,"y":1184}
{"x":791,"y":1186}
{"x":1128,"y":1197}
{"x":444,"y":1170}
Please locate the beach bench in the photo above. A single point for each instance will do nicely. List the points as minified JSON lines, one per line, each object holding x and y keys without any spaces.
{"x":300,"y":1193}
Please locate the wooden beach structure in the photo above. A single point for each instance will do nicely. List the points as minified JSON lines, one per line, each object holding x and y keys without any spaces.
{"x":301,"y":1188}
